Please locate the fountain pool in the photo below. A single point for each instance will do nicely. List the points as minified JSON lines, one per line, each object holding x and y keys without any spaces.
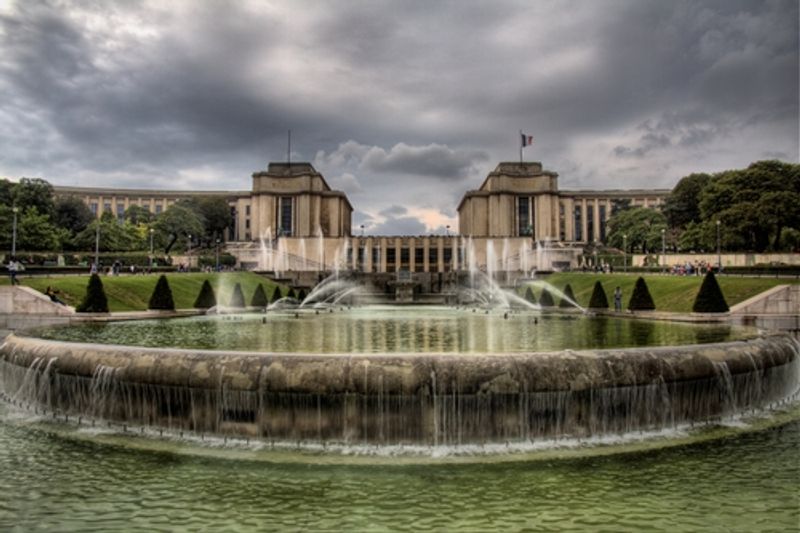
{"x":413,"y":377}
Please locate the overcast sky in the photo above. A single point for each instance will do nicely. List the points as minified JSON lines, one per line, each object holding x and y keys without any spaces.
{"x":403,"y":105}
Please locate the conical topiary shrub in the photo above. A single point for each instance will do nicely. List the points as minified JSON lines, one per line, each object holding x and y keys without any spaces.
{"x":161,"y":299}
{"x":206,"y":298}
{"x":568,"y":298}
{"x":95,"y":300}
{"x":598,"y":299}
{"x":301,"y":295}
{"x":237,"y":297}
{"x":529,"y":296}
{"x":259,"y":297}
{"x":641,"y":299}
{"x":546,"y":299}
{"x":276,"y":294}
{"x":291,"y":294}
{"x":710,"y":298}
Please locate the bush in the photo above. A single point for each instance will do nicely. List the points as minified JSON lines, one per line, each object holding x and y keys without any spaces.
{"x":569,"y":297}
{"x":206,"y":298}
{"x":95,"y":300}
{"x":529,"y":296}
{"x":546,"y":300}
{"x":291,"y":294}
{"x":710,"y":298}
{"x":259,"y":297}
{"x":276,"y":294}
{"x":641,"y":299}
{"x":227,"y":260}
{"x":161,"y":299}
{"x":301,"y":295}
{"x":598,"y":299}
{"x":237,"y":298}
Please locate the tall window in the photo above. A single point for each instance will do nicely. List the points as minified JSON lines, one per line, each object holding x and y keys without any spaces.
{"x":578,"y":223}
{"x":419,"y":259}
{"x":447,"y":255}
{"x":286,"y":215}
{"x":589,"y":223}
{"x":562,"y":232}
{"x":120,"y":212}
{"x":376,"y":258}
{"x":93,"y":208}
{"x":433,"y":259}
{"x":391,"y":259}
{"x":523,"y":216}
{"x":107,"y":207}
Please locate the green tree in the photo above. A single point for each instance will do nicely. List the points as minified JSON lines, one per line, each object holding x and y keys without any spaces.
{"x":35,"y":232}
{"x":753,"y":205}
{"x":259,"y":297}
{"x":276,"y":294}
{"x":546,"y":299}
{"x":568,"y":298}
{"x":114,"y":237}
{"x":34,"y":192}
{"x":161,"y":299}
{"x":237,"y":297}
{"x":599,"y":300}
{"x":641,"y":299}
{"x":641,"y":225}
{"x":72,"y":214}
{"x":709,"y":298}
{"x":6,"y":192}
{"x":529,"y":296}
{"x":682,"y":206}
{"x":174,"y":224}
{"x":206,"y":298}
{"x":137,"y":215}
{"x":94,"y":301}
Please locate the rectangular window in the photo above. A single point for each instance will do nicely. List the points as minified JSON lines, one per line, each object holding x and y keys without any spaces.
{"x":578,"y":223}
{"x":391,"y":259}
{"x":419,"y":259}
{"x":523,"y":216}
{"x":247,"y":210}
{"x":602,"y":223}
{"x":286,"y":215}
{"x":158,"y":209}
{"x":589,"y":223}
{"x":404,"y":257}
{"x":562,"y":234}
{"x":93,"y":208}
{"x":107,"y":207}
{"x":362,"y":256}
{"x":433,"y":259}
{"x":120,"y":212}
{"x":447,"y":255}
{"x":247,"y":223}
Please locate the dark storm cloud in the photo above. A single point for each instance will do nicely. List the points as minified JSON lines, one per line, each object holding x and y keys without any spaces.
{"x":396,"y":103}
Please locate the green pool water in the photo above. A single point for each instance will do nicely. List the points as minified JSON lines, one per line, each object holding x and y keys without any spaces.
{"x":397,"y":329}
{"x":744,"y":481}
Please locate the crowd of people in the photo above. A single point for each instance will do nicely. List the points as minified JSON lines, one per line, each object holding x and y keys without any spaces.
{"x":698,"y":268}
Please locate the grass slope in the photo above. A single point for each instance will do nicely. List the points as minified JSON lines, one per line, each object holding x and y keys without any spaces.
{"x":132,"y":293}
{"x":670,"y":293}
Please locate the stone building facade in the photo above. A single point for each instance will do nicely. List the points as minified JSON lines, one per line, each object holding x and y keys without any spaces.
{"x":518,"y":219}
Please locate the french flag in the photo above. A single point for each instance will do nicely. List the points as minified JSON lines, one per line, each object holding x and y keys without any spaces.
{"x":527,"y":140}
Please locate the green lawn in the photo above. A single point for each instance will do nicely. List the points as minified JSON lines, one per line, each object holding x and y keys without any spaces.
{"x":670,"y":293}
{"x":132,"y":292}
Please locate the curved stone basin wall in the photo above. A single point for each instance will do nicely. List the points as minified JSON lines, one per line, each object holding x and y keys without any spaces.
{"x":424,"y":399}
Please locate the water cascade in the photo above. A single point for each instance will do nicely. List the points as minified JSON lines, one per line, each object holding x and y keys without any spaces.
{"x":414,"y":399}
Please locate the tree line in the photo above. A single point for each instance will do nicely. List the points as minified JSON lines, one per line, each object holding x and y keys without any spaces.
{"x":65,"y":223}
{"x":758,"y":209}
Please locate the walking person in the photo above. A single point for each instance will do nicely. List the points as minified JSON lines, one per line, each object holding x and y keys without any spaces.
{"x":13,"y":269}
{"x":618,"y":300}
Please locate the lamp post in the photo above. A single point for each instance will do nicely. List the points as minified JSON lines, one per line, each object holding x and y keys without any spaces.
{"x":447,"y":230}
{"x":664,"y":248}
{"x":15,"y":209}
{"x":719,"y":255}
{"x":152,"y":231}
{"x":362,"y":230}
{"x":217,"y":255}
{"x":188,"y":252}
{"x":625,"y":252}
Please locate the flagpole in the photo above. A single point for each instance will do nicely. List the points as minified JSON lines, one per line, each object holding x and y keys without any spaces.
{"x":519,"y":139}
{"x":289,"y":149}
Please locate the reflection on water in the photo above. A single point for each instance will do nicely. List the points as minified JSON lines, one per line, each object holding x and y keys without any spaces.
{"x":743,"y":483}
{"x":392,"y":330}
